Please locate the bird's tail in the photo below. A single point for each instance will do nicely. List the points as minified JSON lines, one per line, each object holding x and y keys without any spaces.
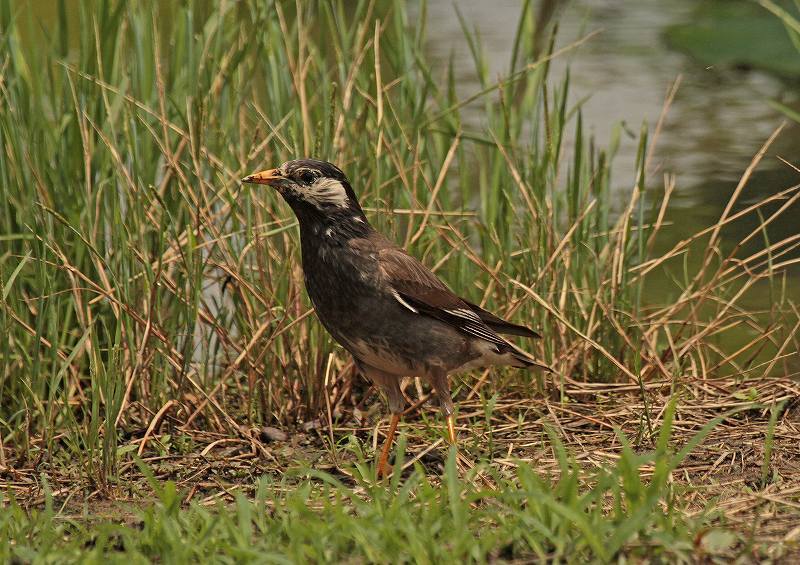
{"x":526,"y":360}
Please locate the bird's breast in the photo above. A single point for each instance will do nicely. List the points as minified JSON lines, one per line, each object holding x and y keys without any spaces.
{"x":339,"y":282}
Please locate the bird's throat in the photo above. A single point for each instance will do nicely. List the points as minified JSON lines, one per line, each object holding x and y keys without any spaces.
{"x":335,"y":230}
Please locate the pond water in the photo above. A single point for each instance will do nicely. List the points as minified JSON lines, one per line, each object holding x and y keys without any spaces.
{"x":718,"y":120}
{"x":716,"y":124}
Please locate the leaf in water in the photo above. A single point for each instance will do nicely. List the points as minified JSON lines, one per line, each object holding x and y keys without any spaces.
{"x":737,"y":34}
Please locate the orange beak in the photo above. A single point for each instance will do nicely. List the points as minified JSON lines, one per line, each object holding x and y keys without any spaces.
{"x":270,"y":177}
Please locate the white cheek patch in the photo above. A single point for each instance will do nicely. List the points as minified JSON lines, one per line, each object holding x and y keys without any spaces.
{"x":326,"y":191}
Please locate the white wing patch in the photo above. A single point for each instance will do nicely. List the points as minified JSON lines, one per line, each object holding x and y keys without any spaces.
{"x":403,"y":302}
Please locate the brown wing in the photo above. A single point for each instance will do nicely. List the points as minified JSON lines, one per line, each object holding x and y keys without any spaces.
{"x":419,"y":290}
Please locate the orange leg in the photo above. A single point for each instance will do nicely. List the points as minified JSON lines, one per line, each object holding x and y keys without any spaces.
{"x":387,"y":446}
{"x":439,"y":381}
{"x":451,"y":429}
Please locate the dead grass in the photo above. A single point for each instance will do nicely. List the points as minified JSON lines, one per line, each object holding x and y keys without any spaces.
{"x":722,"y":477}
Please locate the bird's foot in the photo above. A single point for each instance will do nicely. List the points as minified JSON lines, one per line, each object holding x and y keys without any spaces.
{"x":383,"y":468}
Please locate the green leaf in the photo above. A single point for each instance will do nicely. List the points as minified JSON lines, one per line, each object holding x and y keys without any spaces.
{"x":718,"y":541}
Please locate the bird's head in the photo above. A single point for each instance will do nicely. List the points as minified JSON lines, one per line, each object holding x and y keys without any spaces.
{"x":312,"y":188}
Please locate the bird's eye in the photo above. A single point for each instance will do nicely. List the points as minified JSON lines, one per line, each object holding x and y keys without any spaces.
{"x":307,"y":177}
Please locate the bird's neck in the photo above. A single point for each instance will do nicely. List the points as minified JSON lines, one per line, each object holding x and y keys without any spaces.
{"x":334,"y":229}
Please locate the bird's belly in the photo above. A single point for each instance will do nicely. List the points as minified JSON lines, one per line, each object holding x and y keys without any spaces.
{"x":407,"y":344}
{"x":392,"y":339}
{"x":381,"y":355}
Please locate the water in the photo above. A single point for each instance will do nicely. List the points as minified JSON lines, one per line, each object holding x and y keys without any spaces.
{"x":716,"y":124}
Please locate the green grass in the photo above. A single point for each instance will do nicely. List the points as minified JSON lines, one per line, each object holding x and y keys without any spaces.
{"x":152,"y":304}
{"x":322,"y":519}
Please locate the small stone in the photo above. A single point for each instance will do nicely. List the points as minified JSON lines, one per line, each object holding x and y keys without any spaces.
{"x":268,"y":433}
{"x":312,"y":425}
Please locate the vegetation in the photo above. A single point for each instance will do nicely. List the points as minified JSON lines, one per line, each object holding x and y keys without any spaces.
{"x":157,"y":322}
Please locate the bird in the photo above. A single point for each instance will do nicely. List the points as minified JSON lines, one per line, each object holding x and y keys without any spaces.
{"x":385,"y":307}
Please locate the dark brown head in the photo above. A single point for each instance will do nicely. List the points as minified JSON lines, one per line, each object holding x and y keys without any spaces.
{"x":309,"y":182}
{"x":318,"y":192}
